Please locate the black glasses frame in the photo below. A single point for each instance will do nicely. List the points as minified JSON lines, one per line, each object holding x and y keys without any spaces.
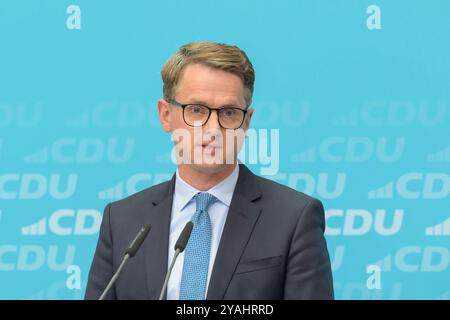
{"x":184,"y":105}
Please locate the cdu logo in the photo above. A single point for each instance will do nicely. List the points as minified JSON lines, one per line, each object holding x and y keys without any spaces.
{"x":415,"y":185}
{"x":35,"y":257}
{"x":325,"y":185}
{"x":354,"y":149}
{"x":31,"y":186}
{"x":416,"y":259}
{"x":358,"y":222}
{"x":111,"y":114}
{"x":66,"y":222}
{"x":84,"y":151}
{"x":380,"y":113}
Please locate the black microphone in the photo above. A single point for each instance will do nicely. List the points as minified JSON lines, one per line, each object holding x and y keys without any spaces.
{"x":136,"y":244}
{"x":129,"y":253}
{"x":180,"y":245}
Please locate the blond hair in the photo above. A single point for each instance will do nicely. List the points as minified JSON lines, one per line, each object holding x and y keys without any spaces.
{"x":215,"y":55}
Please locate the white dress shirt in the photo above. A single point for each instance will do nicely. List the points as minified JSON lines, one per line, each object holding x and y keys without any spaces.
{"x":183,"y":208}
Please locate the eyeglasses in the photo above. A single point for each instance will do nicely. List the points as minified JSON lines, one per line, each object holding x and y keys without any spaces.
{"x":197,"y":115}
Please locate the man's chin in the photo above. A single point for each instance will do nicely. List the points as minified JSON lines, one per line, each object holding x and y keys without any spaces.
{"x":210,"y":168}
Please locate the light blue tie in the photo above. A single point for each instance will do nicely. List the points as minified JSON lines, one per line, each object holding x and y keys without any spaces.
{"x":196,"y":255}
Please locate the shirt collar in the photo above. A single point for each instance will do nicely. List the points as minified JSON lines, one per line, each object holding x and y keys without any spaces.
{"x":223,"y":191}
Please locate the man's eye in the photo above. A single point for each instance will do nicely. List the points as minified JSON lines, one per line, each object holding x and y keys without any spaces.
{"x":229,"y":112}
{"x":196,"y":109}
{"x":200,"y":109}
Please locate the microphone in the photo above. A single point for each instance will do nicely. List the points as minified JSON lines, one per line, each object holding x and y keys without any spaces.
{"x":129,"y":253}
{"x":180,"y":245}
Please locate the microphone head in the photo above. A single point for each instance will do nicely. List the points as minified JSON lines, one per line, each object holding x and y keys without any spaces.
{"x":184,"y":237}
{"x":140,"y":237}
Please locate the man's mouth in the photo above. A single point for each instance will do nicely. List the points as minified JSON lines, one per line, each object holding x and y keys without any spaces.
{"x":209,"y":148}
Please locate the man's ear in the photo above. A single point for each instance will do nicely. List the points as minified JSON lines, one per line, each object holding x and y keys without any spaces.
{"x":164,"y":115}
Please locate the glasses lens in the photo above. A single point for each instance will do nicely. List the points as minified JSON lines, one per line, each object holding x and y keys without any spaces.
{"x":195,"y":114}
{"x":231,"y":118}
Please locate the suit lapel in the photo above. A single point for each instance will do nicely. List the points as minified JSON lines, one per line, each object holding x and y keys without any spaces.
{"x":158,"y":242}
{"x":241,"y":218}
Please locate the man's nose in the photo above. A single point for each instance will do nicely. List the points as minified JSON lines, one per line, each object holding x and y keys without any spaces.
{"x":213,"y":121}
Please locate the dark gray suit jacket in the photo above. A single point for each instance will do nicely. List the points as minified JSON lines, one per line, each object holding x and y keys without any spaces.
{"x":272,"y":245}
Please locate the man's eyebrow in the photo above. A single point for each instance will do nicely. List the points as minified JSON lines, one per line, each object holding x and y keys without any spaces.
{"x":228,"y":105}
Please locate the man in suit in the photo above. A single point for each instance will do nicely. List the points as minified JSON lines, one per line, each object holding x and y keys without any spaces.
{"x":252,"y":238}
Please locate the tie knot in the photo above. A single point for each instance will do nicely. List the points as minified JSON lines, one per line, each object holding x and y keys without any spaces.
{"x":203,"y":200}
